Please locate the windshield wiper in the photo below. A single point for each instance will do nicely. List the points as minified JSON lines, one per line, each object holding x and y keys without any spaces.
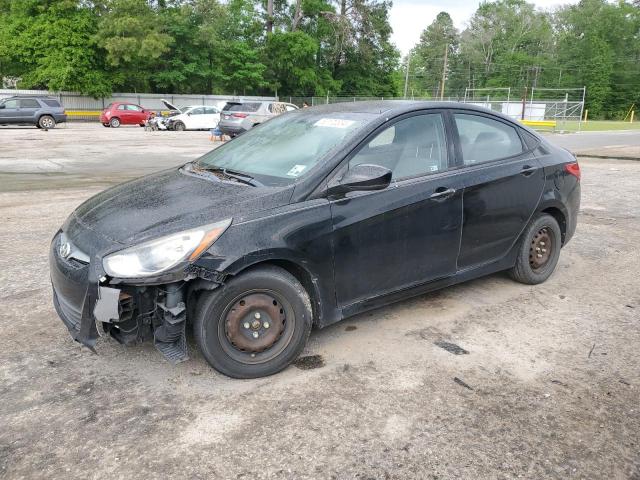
{"x":225,"y":172}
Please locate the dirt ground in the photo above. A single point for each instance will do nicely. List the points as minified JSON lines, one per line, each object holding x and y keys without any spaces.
{"x":545,"y":384}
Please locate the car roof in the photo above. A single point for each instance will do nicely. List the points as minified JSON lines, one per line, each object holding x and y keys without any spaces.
{"x":398,"y":107}
{"x":48,"y":97}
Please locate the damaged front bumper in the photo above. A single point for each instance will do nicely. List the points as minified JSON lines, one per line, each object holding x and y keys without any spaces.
{"x":91,"y":305}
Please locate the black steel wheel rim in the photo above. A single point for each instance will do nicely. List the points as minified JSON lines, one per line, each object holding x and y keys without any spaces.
{"x":242,"y":351}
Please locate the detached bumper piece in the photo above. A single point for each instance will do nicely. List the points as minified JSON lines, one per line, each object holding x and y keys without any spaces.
{"x":170,"y":337}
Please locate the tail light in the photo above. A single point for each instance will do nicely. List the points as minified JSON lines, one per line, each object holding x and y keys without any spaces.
{"x":573,"y":169}
{"x":239,"y":115}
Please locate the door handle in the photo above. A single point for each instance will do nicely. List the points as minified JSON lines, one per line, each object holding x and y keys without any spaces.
{"x":528,"y":170}
{"x":442,"y":193}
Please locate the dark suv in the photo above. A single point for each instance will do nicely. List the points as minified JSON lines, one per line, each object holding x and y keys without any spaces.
{"x":43,"y":112}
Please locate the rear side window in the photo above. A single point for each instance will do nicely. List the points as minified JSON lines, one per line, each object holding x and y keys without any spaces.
{"x":134,"y":108}
{"x":29,"y":103}
{"x":52,"y":103}
{"x":242,"y":107}
{"x":484,"y":140}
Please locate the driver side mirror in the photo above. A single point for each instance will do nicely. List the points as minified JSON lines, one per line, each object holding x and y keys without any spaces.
{"x":363,"y":177}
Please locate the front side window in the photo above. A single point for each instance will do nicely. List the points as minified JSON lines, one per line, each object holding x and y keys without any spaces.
{"x":411,"y":147}
{"x":210,"y":110}
{"x":285,"y":147}
{"x":11,"y":104}
{"x":134,"y":108}
{"x":484,"y":140}
{"x":122,"y":107}
{"x":197,"y":111}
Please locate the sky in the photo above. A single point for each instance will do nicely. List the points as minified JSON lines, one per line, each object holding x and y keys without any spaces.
{"x":410,"y":17}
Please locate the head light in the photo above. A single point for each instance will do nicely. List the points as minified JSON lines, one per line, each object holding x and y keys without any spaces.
{"x":156,"y":256}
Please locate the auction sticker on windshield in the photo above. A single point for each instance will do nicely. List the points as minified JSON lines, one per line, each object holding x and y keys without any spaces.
{"x":334,"y":123}
{"x":296,"y":170}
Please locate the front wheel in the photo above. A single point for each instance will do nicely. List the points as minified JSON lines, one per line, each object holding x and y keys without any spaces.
{"x":255,"y":325}
{"x":114,"y":122}
{"x":46,"y":121}
{"x":179,"y":127}
{"x":539,"y":251}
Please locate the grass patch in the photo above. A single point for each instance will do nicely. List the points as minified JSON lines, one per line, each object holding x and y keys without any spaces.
{"x":598,"y":126}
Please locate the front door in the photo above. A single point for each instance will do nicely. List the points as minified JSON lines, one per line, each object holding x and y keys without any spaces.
{"x":10,"y":112}
{"x":409,"y":233}
{"x":503,"y":182}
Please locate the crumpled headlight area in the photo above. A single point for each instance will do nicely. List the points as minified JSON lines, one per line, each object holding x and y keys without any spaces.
{"x":157,"y":256}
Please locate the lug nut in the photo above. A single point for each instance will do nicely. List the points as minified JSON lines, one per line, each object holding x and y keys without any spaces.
{"x":266,"y":325}
{"x":256,"y":334}
{"x":246,"y":325}
{"x":544,"y":250}
{"x":257,"y":315}
{"x":539,"y":256}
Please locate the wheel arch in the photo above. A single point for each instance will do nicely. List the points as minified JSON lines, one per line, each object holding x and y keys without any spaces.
{"x":560,"y":217}
{"x":309,"y":281}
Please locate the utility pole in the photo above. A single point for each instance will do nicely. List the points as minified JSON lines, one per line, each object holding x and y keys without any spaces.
{"x":406,"y":76}
{"x":444,"y":71}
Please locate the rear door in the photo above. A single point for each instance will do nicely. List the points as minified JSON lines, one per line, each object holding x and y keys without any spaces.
{"x":29,"y":107}
{"x":211,"y":117}
{"x":503,"y":182}
{"x":408,"y":233}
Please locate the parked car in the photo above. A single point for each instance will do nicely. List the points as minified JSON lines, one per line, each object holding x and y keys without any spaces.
{"x":316,"y":216}
{"x":123,"y":113}
{"x":238,"y":117}
{"x":193,"y":117}
{"x":43,"y":112}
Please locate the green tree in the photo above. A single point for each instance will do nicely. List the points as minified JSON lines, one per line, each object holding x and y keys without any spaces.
{"x":134,"y":41}
{"x":427,"y":57}
{"x":50,"y":45}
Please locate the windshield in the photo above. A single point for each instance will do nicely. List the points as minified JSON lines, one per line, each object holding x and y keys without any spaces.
{"x":286,"y":147}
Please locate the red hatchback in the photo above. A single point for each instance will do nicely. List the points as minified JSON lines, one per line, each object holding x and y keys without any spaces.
{"x":122,"y":113}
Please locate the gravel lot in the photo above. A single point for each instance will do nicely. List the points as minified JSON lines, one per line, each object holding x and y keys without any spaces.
{"x":549,"y":388}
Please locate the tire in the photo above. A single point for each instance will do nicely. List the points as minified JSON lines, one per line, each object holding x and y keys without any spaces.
{"x":179,"y":127}
{"x":114,"y":122}
{"x":46,"y":122}
{"x":233,"y":344}
{"x":536,"y":261}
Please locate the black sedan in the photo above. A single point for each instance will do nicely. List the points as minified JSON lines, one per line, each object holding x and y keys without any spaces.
{"x":312,"y":217}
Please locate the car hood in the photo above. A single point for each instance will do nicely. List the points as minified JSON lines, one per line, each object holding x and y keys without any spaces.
{"x":170,"y":106}
{"x":171,"y":201}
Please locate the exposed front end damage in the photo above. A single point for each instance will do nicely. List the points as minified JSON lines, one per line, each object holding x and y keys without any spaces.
{"x":92,"y":305}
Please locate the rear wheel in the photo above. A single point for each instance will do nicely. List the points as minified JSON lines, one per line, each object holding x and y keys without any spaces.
{"x":46,"y":121}
{"x":539,"y":251}
{"x":255,"y":325}
{"x":179,"y":127}
{"x":114,"y":122}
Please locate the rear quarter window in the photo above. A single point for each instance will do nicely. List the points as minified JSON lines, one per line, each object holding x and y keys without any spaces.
{"x":52,"y":103}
